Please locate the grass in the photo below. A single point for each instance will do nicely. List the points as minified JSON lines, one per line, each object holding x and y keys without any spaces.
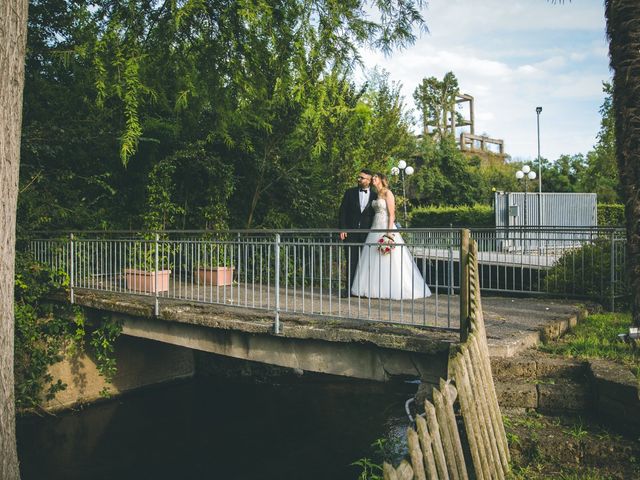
{"x":576,"y":473}
{"x":567,"y":448}
{"x":597,"y":337}
{"x":581,"y":473}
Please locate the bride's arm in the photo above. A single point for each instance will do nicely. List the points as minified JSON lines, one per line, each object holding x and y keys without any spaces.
{"x":391,"y":208}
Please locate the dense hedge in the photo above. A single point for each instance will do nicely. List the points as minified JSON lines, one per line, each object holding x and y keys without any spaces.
{"x":586,"y":271}
{"x":462,"y":216}
{"x":610,"y":215}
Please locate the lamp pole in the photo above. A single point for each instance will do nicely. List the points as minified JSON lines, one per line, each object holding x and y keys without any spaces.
{"x":403,"y":169}
{"x":538,"y":112}
{"x":527,"y":174}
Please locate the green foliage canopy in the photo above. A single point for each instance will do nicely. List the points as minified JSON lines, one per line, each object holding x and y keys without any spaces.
{"x":203,"y":114}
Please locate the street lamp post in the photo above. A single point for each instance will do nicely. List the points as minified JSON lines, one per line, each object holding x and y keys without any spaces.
{"x":527,"y":174}
{"x":538,"y":112}
{"x":403,"y":170}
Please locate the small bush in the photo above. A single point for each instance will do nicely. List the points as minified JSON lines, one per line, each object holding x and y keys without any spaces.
{"x":477,"y":216}
{"x":610,"y":215}
{"x":44,"y":330}
{"x":586,"y":271}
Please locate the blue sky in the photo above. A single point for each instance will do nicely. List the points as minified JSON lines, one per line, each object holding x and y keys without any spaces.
{"x":513,"y":56}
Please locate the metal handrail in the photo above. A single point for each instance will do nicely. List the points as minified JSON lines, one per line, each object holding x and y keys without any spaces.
{"x":303,"y":271}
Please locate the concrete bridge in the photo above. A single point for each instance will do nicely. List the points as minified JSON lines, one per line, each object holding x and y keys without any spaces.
{"x":282,"y":307}
{"x":365,"y":350}
{"x":179,"y":340}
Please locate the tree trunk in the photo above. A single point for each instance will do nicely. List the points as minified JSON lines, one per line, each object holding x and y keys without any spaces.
{"x":623,"y":30}
{"x":13,"y":37}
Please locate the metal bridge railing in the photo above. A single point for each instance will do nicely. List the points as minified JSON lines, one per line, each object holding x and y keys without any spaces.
{"x":290,"y":271}
{"x":305,"y":271}
{"x":577,"y":262}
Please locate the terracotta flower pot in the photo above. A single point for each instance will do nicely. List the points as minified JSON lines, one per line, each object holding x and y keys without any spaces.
{"x":145,"y":281}
{"x":216,"y":275}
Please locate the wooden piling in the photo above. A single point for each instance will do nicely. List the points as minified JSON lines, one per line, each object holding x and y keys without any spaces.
{"x":470,"y":415}
{"x":427,"y":449}
{"x":436,"y":450}
{"x":404,"y":471}
{"x":388,"y":472}
{"x":449,"y":394}
{"x":464,"y":284}
{"x":415,"y":454}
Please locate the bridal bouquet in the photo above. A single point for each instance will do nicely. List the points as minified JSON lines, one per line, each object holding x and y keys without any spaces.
{"x":386,"y":244}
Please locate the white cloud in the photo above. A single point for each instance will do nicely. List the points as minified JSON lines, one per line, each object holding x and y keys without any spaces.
{"x":552,"y":63}
{"x":514,"y":56}
{"x":515,"y":16}
{"x":577,"y":57}
{"x":528,"y":70}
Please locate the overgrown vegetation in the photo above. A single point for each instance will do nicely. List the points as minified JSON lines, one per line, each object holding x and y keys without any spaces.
{"x":597,"y":337}
{"x":586,"y":270}
{"x":46,"y":331}
{"x":567,"y":448}
{"x":128,"y":124}
{"x":610,"y":215}
{"x":103,"y":342}
{"x":371,"y":468}
{"x":544,"y":448}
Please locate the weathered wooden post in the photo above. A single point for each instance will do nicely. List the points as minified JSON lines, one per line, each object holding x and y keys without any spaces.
{"x":465,"y":235}
{"x":438,"y":453}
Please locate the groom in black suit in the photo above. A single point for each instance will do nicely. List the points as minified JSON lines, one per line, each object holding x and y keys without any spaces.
{"x":356,"y":213}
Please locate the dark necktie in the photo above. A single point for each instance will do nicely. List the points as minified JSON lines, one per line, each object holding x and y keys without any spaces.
{"x":363,"y":190}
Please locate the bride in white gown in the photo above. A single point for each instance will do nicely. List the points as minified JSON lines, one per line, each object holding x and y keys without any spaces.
{"x":387,"y":275}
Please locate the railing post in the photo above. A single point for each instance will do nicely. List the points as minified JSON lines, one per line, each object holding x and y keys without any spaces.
{"x":157,"y":303}
{"x":276,"y":259}
{"x":71,"y":269}
{"x":613,"y":272}
{"x":464,"y":284}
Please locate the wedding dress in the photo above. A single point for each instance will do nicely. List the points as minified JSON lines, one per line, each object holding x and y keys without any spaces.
{"x":393,"y":275}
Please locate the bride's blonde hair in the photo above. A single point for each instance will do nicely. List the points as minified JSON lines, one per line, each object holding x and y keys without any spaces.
{"x":385,"y":184}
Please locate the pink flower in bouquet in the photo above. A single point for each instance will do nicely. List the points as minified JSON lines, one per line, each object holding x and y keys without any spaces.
{"x":386,"y":244}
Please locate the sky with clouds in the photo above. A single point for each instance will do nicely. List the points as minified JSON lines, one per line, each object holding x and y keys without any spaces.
{"x":513,"y":56}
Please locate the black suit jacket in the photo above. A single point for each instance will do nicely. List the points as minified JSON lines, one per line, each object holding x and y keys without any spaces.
{"x":350,"y":215}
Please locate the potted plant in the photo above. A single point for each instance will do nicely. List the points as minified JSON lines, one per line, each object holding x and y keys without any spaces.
{"x":142,"y":276}
{"x":215,"y":266}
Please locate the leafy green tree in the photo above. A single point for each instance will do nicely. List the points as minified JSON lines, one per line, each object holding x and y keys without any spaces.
{"x":436,"y":100}
{"x":566,"y":174}
{"x":601,"y":175}
{"x":388,"y":133}
{"x":623,"y":30}
{"x":13,"y":26}
{"x":493,"y":175}
{"x":445,"y":177}
{"x":217,"y":92}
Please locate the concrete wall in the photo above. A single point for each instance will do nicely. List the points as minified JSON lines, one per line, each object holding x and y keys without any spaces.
{"x":617,"y":394}
{"x":155,"y":349}
{"x":140,"y":363}
{"x":363,"y":360}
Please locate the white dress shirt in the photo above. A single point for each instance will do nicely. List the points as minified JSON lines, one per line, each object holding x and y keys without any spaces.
{"x":364,"y":199}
